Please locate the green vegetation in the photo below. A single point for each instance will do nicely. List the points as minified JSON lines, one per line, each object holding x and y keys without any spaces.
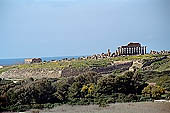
{"x":154,"y":92}
{"x":138,"y":57}
{"x":89,"y":87}
{"x":163,"y":65}
{"x":81,"y":63}
{"x":6,"y":68}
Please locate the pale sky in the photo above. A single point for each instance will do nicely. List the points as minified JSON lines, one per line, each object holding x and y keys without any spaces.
{"x":39,"y":28}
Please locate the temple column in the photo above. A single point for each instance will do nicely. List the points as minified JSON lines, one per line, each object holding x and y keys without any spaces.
{"x":144,"y":49}
{"x":121,"y":50}
{"x":139,"y":50}
{"x":136,"y":50}
{"x":128,"y":51}
{"x":132,"y":50}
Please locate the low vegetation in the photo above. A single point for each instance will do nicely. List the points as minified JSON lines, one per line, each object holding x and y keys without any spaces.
{"x":87,"y":88}
{"x":6,"y":68}
{"x":85,"y":63}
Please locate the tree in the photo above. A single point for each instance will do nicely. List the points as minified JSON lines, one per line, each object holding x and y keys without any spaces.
{"x":124,"y":83}
{"x":105,"y":85}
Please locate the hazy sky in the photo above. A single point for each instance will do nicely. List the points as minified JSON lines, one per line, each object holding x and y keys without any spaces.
{"x":36,"y":28}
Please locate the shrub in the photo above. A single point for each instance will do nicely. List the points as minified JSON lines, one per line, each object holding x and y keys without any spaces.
{"x":153,"y":91}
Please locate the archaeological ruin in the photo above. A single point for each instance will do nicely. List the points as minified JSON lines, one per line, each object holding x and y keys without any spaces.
{"x":131,"y":49}
{"x":33,"y":60}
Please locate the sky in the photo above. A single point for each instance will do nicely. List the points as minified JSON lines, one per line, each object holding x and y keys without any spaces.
{"x":43,"y":28}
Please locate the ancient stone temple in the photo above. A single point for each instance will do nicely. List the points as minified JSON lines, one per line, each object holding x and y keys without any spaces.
{"x":131,"y":49}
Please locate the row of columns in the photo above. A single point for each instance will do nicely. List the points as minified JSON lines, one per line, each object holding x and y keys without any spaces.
{"x":131,"y":50}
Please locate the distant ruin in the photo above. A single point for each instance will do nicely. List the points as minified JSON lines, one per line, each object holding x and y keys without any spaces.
{"x":131,"y":49}
{"x":32,"y":60}
{"x":163,"y":52}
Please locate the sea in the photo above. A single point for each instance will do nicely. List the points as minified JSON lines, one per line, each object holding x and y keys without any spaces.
{"x":8,"y":62}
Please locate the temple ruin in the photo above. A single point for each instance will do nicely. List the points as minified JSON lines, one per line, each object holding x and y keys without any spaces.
{"x":131,"y":49}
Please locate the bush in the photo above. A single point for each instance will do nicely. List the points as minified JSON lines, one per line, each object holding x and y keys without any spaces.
{"x":154,"y":92}
{"x":39,"y":91}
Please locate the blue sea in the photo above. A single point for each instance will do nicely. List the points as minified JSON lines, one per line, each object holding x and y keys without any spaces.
{"x":7,"y":62}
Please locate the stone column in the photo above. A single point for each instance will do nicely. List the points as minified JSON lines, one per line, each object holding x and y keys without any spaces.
{"x":125,"y":51}
{"x":139,"y":50}
{"x":144,"y":49}
{"x":134,"y":50}
{"x":131,"y":51}
{"x":118,"y":50}
{"x":108,"y":53}
{"x":128,"y":51}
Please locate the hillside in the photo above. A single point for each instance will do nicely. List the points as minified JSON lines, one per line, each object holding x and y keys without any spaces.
{"x":76,"y":67}
{"x":84,"y":82}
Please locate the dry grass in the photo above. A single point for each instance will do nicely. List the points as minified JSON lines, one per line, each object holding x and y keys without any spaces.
{"x":143,"y":107}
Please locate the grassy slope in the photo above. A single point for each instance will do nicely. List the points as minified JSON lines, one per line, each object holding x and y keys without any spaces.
{"x":160,"y":66}
{"x":165,"y":66}
{"x":84,"y":63}
{"x":6,"y":68}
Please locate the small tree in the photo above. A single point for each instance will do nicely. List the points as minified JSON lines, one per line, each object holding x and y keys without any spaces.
{"x":153,"y":91}
{"x":88,"y":89}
